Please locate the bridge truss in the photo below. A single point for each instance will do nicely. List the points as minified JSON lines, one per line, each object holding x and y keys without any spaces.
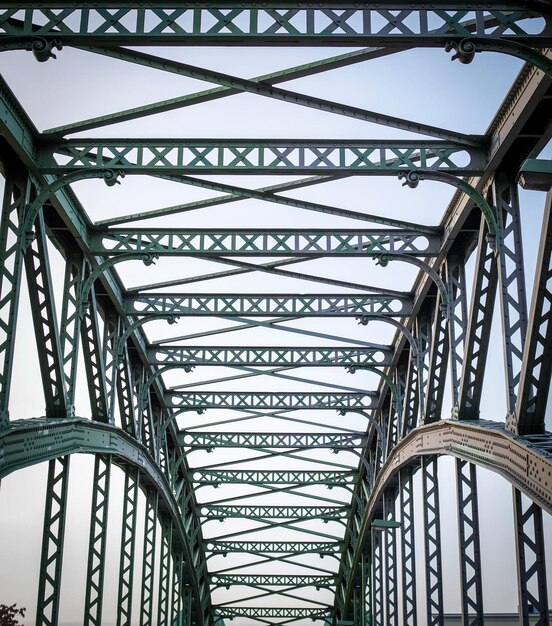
{"x":154,"y":412}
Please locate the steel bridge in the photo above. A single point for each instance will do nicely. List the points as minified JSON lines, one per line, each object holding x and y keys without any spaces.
{"x":293,"y":533}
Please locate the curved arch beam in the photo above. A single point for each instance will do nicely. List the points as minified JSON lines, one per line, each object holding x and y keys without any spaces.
{"x":413,"y":177}
{"x":153,"y":377}
{"x":466,"y":49}
{"x":148,"y":258}
{"x":396,"y":401}
{"x":364,"y":319}
{"x":48,"y":439}
{"x":484,"y":443}
{"x":372,"y":420}
{"x":32,"y":210}
{"x":384,"y":259}
{"x":171,"y":319}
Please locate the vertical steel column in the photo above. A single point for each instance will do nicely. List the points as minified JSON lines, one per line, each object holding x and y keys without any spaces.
{"x":70,"y":325}
{"x":159,"y":443}
{"x":93,"y":601}
{"x":432,"y":543}
{"x":150,"y":528}
{"x":512,"y":287}
{"x":187,"y":605}
{"x":479,"y":329}
{"x":365,"y":586}
{"x":372,"y":463}
{"x":469,"y":546}
{"x":378,"y":597}
{"x":531,"y":565}
{"x":390,"y":424}
{"x":51,"y":559}
{"x":93,"y":359}
{"x":456,"y":281}
{"x":423,"y":338}
{"x":377,"y":457}
{"x":409,"y":605}
{"x":164,"y":573}
{"x":536,"y":368}
{"x":390,"y":561}
{"x":128,"y":543}
{"x":411,"y":396}
{"x":399,"y":378}
{"x":176,"y":612}
{"x":41,"y":295}
{"x":137,"y":381}
{"x":148,"y":430}
{"x":10,"y":285}
{"x":125,"y":395}
{"x":340,"y":590}
{"x":172,"y":455}
{"x":357,"y":605}
{"x":110,"y":338}
{"x":437,"y":365}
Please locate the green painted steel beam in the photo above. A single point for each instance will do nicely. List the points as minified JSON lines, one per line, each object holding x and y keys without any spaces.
{"x":270,"y":23}
{"x":272,"y":267}
{"x":273,"y":454}
{"x":265,"y":400}
{"x":273,"y":324}
{"x":273,"y":242}
{"x":278,"y":594}
{"x":253,"y":612}
{"x":271,"y":194}
{"x":270,"y":356}
{"x":284,"y":95}
{"x":268,"y":524}
{"x":208,"y":95}
{"x":263,"y":305}
{"x":259,"y":156}
{"x":15,"y":122}
{"x":283,"y":580}
{"x":274,"y":547}
{"x":273,"y":477}
{"x":277,"y":372}
{"x":270,"y":440}
{"x":17,"y":128}
{"x":33,"y":441}
{"x":220,"y":512}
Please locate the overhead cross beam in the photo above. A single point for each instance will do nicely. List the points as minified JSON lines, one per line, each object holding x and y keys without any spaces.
{"x":201,"y":400}
{"x":274,"y":547}
{"x":270,"y":356}
{"x":429,"y":24}
{"x":272,"y":242}
{"x":274,"y":477}
{"x":221,"y":512}
{"x":253,"y":612}
{"x":259,"y":156}
{"x":282,"y":580}
{"x":271,"y":440}
{"x":263,"y":305}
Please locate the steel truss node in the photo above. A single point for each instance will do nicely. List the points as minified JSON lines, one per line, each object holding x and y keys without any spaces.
{"x":317,"y":499}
